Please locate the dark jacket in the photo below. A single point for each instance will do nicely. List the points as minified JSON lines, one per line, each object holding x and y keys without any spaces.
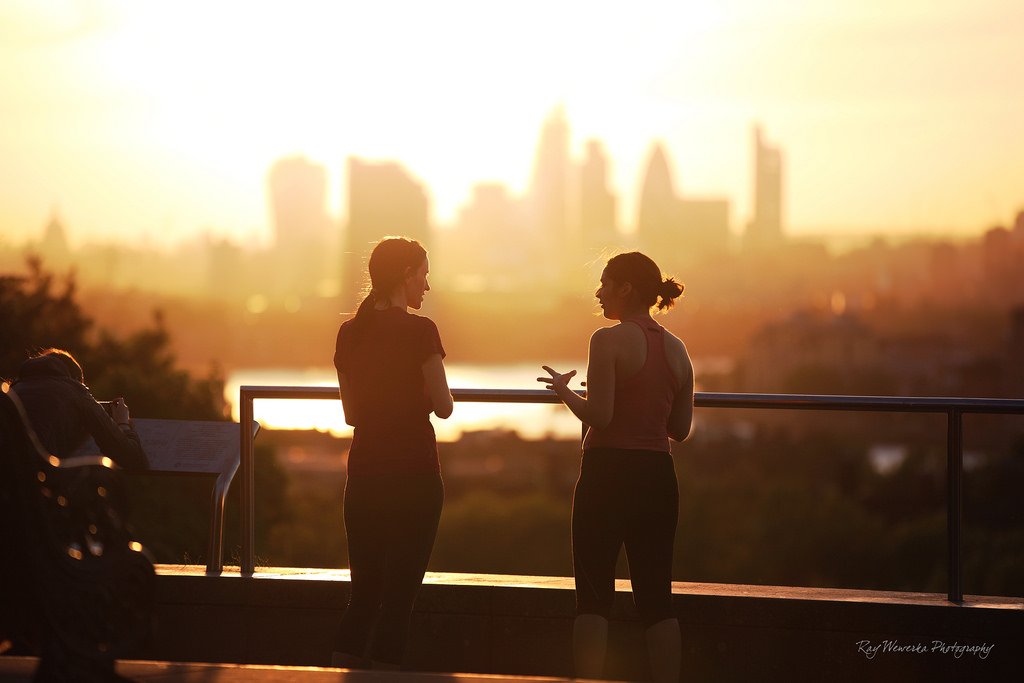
{"x":63,"y":414}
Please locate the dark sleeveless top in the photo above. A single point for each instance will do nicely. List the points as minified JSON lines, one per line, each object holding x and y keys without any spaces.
{"x":642,"y":402}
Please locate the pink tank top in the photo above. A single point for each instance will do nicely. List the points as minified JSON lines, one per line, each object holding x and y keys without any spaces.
{"x":642,"y":402}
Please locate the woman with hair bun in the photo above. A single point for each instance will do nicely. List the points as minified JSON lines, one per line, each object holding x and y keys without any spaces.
{"x":391,"y":378}
{"x":639,"y":395}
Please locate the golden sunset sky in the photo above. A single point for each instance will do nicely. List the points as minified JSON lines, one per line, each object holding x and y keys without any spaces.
{"x":159,"y":120}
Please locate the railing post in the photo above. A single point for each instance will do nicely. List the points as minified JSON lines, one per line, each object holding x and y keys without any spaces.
{"x":954,"y":502}
{"x":953,"y":408}
{"x":248,"y":560}
{"x":215,"y":562}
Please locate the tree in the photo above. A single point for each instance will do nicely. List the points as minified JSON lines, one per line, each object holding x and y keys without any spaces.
{"x":170,"y":514}
{"x":34,"y":316}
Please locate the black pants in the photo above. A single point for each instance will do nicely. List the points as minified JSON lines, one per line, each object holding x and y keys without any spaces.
{"x":625,"y":497}
{"x":391,"y":522}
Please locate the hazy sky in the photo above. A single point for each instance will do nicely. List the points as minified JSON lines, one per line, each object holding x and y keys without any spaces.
{"x":161,"y":119}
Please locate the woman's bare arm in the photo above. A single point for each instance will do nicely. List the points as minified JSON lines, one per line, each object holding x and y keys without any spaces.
{"x":681,"y":416}
{"x":596,"y":409}
{"x":436,"y":382}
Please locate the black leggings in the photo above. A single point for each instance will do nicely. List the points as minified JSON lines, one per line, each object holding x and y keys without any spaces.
{"x":391,"y":522}
{"x":625,"y":497}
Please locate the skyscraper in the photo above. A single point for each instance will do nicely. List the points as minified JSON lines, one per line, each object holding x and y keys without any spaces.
{"x":765,"y":227}
{"x":597,"y":225}
{"x":658,"y":222}
{"x":298,"y":205}
{"x":383,"y":199}
{"x":54,"y":245}
{"x":298,"y":191}
{"x":547,"y":203}
{"x":678,"y":230}
{"x":486,"y":250}
{"x":550,"y":181}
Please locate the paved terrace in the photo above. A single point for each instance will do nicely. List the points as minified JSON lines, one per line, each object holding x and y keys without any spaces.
{"x":19,"y":670}
{"x":521,"y":626}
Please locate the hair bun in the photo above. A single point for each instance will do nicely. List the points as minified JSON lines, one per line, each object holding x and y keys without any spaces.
{"x":669,"y":291}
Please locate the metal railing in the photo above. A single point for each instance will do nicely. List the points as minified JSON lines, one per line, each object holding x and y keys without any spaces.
{"x":953,"y":408}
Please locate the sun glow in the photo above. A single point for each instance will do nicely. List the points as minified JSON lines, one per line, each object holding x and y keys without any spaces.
{"x":163,"y":118}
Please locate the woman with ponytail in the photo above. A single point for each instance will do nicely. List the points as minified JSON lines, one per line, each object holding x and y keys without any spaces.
{"x":391,"y":378}
{"x":639,"y":395}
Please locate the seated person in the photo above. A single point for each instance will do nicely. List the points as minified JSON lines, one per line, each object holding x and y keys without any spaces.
{"x":63,"y":413}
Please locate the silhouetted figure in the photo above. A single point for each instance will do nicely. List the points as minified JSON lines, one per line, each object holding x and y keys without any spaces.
{"x":391,"y":377}
{"x":639,"y":395}
{"x":63,"y":413}
{"x":74,"y":584}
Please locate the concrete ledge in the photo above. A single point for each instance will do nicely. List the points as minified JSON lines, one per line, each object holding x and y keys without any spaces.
{"x":21,"y":669}
{"x":521,"y":625}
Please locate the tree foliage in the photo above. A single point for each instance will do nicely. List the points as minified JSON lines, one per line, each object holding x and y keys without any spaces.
{"x":38,"y":310}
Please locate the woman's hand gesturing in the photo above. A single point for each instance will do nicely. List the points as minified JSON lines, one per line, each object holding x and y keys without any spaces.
{"x":558,"y":382}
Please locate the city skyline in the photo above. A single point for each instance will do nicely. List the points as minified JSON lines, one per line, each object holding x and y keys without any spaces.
{"x":143,"y":122}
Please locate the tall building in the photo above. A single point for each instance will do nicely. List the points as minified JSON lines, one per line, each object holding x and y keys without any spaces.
{"x":765,"y":227}
{"x":54,"y":245}
{"x":597,"y":224}
{"x":549,"y":184}
{"x":658,"y":222}
{"x":547,"y":201}
{"x":227,"y":277}
{"x":298,"y":201}
{"x":298,"y":204}
{"x":383,"y":199}
{"x":486,"y":251}
{"x":678,"y":230}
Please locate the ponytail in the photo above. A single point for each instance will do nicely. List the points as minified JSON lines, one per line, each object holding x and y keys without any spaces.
{"x":670,"y":291}
{"x":363,"y":312}
{"x":389,"y":262}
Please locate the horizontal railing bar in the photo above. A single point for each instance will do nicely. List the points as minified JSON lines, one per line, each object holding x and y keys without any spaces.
{"x":921,"y":404}
{"x":895,"y":404}
{"x":953,"y":408}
